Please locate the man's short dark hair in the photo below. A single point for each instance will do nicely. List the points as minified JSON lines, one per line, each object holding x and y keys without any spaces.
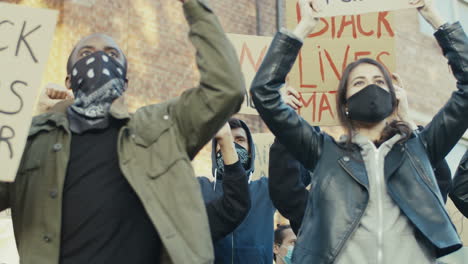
{"x":235,"y":123}
{"x":279,"y":235}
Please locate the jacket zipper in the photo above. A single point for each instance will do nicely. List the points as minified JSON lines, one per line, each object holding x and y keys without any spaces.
{"x":232,"y":249}
{"x":356,"y":223}
{"x":379,"y":207}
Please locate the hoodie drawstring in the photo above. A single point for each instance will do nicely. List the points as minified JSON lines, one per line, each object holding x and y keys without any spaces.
{"x":216,"y":178}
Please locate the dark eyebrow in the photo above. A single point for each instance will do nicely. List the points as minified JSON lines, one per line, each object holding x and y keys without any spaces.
{"x":359,"y":77}
{"x":112,"y":48}
{"x":86,"y":47}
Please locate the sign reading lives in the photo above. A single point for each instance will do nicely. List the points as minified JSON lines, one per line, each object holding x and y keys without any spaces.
{"x":26,"y":38}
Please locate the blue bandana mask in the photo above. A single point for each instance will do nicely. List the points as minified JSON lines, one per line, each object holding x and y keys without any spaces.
{"x":96,"y":80}
{"x":288,"y":258}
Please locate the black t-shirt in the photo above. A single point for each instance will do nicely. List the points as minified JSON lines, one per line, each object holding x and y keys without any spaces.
{"x":103,"y":221}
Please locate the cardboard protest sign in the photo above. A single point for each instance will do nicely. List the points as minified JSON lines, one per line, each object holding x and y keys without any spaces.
{"x":354,"y":7}
{"x":263,"y":142}
{"x":26,"y":38}
{"x":336,"y":42}
{"x":251,"y":51}
{"x":8,"y":251}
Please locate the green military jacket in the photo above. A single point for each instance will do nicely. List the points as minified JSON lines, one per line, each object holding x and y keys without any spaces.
{"x":155,"y":150}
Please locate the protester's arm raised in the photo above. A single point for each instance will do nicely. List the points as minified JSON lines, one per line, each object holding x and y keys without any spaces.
{"x":291,"y":130}
{"x":202,"y":111}
{"x":451,"y":122}
{"x":286,"y":185}
{"x":228,"y":211}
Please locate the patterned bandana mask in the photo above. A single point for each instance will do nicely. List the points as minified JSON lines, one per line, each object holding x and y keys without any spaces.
{"x":96,"y":80}
{"x":244,"y":158}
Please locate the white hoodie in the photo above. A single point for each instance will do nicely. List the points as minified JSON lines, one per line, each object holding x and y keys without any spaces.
{"x":385,"y":235}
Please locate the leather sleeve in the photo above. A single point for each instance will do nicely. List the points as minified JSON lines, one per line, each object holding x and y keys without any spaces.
{"x":287,"y":186}
{"x":459,"y":193}
{"x":227,"y":212}
{"x":451,"y":122}
{"x":301,"y":139}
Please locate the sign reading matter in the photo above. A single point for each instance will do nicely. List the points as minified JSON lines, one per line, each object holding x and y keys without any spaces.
{"x":336,"y":42}
{"x":26,"y":38}
{"x":354,"y":7}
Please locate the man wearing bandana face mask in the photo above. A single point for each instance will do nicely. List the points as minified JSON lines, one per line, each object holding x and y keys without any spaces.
{"x":98,"y":185}
{"x":251,"y":241}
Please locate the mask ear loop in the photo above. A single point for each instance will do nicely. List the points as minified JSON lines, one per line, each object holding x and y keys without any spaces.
{"x":216,"y":178}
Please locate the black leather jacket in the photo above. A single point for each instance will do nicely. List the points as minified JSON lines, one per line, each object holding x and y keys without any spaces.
{"x":340,"y":197}
{"x":459,"y":192}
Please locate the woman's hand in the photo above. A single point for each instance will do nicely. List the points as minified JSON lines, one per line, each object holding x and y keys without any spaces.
{"x":429,"y":12}
{"x":292,"y":98}
{"x":309,"y":17}
{"x":402,"y":98}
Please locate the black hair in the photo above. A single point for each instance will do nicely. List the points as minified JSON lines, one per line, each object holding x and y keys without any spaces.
{"x":279,"y":235}
{"x":235,"y":123}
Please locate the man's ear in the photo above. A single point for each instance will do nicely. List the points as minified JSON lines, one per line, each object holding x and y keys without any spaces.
{"x":68,"y":82}
{"x":276,"y":249}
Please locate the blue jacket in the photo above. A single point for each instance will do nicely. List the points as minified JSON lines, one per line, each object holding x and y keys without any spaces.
{"x":252,"y":241}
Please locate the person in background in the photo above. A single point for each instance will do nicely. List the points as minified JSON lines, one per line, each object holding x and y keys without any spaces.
{"x":251,"y":241}
{"x":283,"y":247}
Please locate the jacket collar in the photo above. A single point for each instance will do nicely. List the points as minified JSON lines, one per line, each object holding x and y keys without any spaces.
{"x":355,"y":166}
{"x":57,"y":115}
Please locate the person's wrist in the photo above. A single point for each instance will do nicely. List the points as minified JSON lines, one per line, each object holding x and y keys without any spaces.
{"x":304,"y":29}
{"x":434,"y":19}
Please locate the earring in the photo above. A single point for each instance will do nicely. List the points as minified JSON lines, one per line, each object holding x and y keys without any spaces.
{"x":347,"y":113}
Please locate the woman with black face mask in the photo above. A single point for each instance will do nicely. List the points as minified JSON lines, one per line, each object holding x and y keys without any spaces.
{"x":375,"y":196}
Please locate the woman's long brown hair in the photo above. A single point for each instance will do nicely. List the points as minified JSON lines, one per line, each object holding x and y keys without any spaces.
{"x":391,"y":129}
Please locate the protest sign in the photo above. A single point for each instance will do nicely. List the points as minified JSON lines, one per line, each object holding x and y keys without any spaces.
{"x":250,"y":50}
{"x":336,"y":42}
{"x":263,"y":142}
{"x":26,"y":38}
{"x":354,"y":7}
{"x":8,"y":251}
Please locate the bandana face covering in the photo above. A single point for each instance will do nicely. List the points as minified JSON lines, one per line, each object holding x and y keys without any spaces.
{"x":243,"y":158}
{"x":96,"y":80}
{"x":372,"y":104}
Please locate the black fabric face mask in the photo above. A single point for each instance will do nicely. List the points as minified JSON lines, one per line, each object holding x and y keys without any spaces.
{"x":371,"y":105}
{"x":96,"y":80}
